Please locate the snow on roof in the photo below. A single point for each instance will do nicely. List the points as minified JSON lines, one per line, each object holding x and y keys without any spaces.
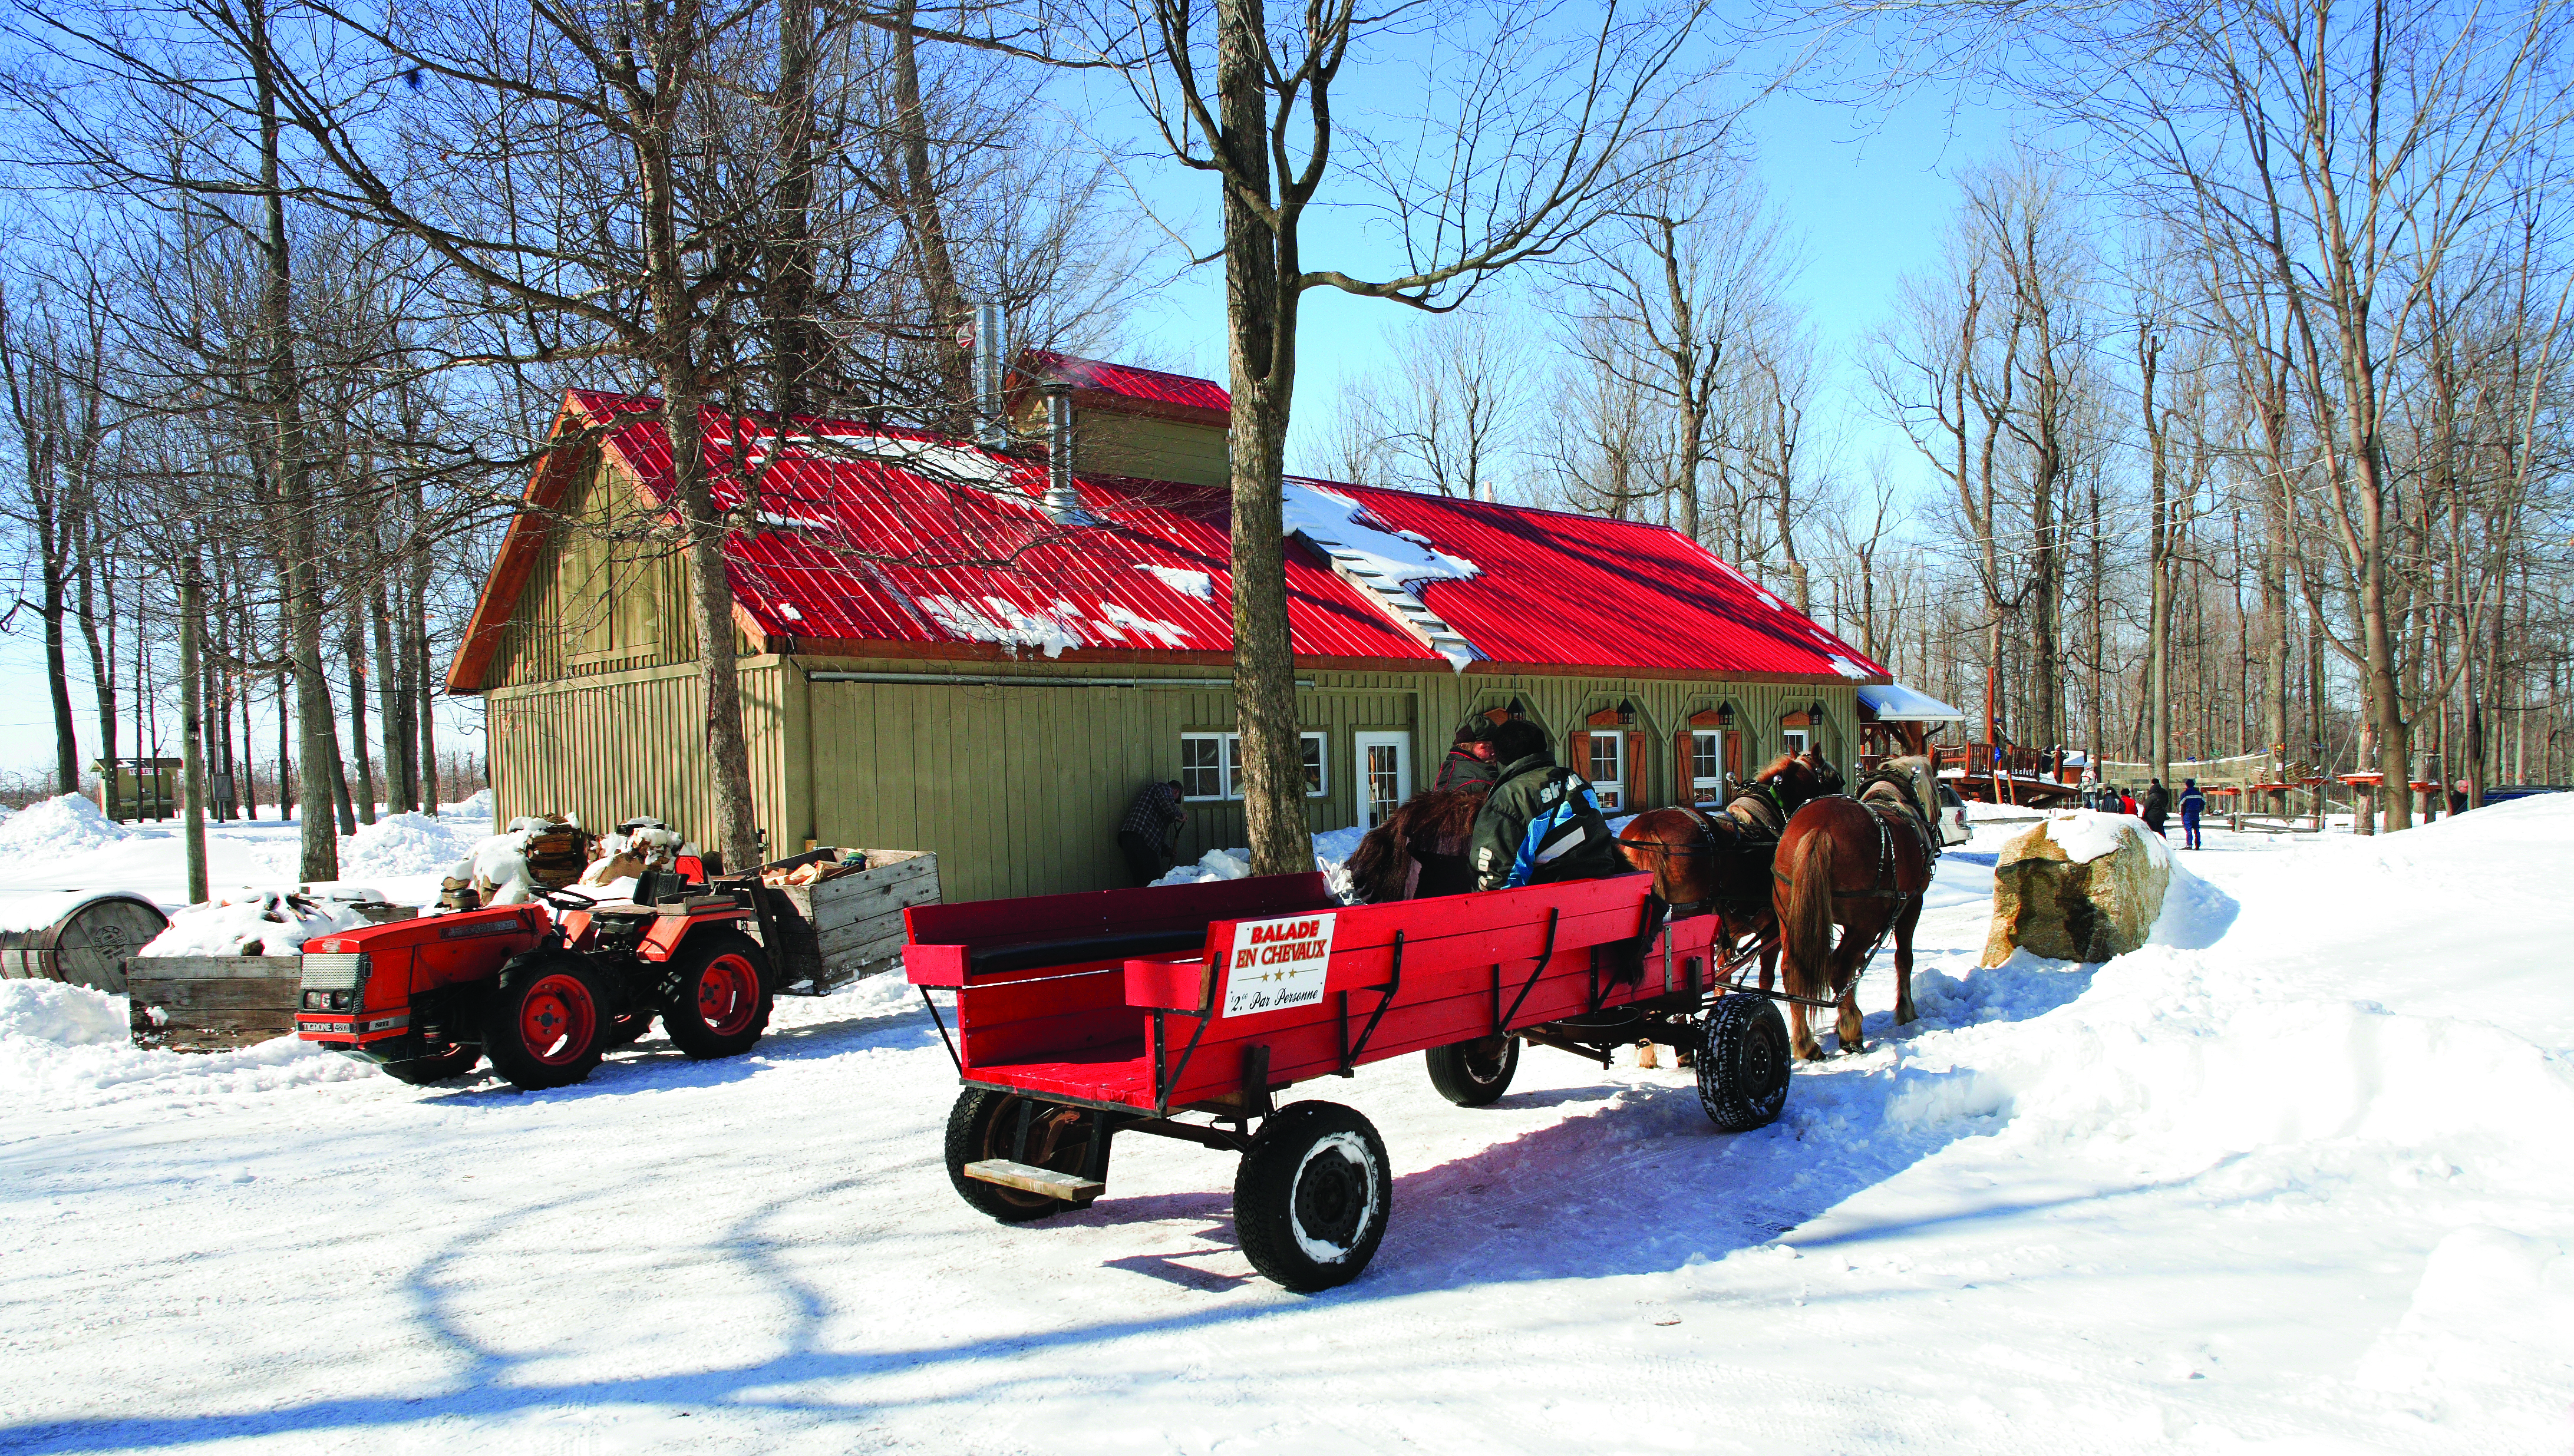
{"x":873,"y":534}
{"x":1895,"y":702}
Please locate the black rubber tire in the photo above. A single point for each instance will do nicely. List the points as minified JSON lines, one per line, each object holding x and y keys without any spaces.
{"x":504,"y":1017}
{"x":421,"y":1072}
{"x":1313,"y":1196}
{"x":1742,"y":1063}
{"x":628,"y":1029}
{"x":686,"y":1017}
{"x":1472,"y":1073}
{"x":984,"y":1124}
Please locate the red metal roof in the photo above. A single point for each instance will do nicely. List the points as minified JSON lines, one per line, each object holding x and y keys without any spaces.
{"x":874,"y":536}
{"x":1577,"y":590}
{"x":1126,"y":381}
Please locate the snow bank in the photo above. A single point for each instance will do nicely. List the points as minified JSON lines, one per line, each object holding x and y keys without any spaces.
{"x":65,"y":1015}
{"x":1332,"y":852}
{"x":404,"y":844}
{"x":55,"y":827}
{"x":68,"y":1048}
{"x":474,"y":805}
{"x":258,"y":922}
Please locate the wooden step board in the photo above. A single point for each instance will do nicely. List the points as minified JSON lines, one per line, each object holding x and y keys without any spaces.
{"x":1074,"y":1191}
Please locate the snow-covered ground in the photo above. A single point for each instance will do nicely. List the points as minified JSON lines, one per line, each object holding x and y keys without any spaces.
{"x":2294,"y":1179}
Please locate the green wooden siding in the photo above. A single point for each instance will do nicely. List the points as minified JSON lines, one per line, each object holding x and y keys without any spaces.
{"x":625,"y":745}
{"x":594,"y":602}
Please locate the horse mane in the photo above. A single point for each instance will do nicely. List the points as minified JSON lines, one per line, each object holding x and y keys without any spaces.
{"x":1777,"y":766}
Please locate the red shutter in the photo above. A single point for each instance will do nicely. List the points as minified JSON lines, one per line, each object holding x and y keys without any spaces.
{"x":1576,"y":752}
{"x":1635,"y":772}
{"x":1684,"y":768}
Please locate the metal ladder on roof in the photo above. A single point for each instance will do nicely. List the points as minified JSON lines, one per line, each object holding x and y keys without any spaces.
{"x":1408,"y":611}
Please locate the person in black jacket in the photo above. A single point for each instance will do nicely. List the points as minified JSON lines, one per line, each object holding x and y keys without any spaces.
{"x":1541,"y":822}
{"x":1150,"y":829}
{"x":1470,"y":758}
{"x":2157,"y":805}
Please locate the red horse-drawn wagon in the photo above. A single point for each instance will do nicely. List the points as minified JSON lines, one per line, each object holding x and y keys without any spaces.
{"x":1181,"y":1011}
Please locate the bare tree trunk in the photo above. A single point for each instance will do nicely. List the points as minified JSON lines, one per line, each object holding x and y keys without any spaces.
{"x":353,"y":646}
{"x":923,"y":218}
{"x":1260,"y":319}
{"x":393,"y":691}
{"x":192,"y":723}
{"x":296,"y":505}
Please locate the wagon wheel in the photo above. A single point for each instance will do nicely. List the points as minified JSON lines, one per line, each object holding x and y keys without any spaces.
{"x":1313,"y":1195}
{"x":1742,"y":1063}
{"x":984,"y":1124}
{"x":1474,"y":1073}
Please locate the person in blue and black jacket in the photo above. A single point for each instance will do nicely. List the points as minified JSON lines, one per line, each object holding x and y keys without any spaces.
{"x":1540,"y":823}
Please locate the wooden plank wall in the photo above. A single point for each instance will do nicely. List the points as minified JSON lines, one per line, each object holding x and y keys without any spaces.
{"x":623,"y":745}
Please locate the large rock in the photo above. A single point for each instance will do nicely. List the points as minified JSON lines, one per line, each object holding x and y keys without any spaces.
{"x":2080,"y":887}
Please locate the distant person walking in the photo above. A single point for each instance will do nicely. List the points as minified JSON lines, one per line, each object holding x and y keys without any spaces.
{"x":2157,"y":805}
{"x":2192,"y":805}
{"x":1150,"y":831}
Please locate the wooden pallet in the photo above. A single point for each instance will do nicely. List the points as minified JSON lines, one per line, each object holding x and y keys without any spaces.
{"x":212,"y":1002}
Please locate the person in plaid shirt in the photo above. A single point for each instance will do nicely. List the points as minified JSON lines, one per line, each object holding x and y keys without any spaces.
{"x":1150,"y":829}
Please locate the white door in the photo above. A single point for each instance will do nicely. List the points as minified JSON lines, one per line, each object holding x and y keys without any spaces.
{"x":1385,"y":773}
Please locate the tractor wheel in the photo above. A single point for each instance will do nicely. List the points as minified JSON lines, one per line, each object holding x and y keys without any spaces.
{"x":716,"y":996}
{"x":628,"y":1029}
{"x":1312,"y":1197}
{"x":984,"y":1124}
{"x":1474,"y":1073}
{"x":545,"y":1027}
{"x":436,"y":1066}
{"x":1742,"y":1063}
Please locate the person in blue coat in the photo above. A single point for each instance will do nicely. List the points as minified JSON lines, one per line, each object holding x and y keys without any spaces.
{"x":2192,"y":805}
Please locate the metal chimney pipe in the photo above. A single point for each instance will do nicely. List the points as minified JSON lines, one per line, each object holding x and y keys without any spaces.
{"x":1062,"y":504}
{"x":992,"y":348}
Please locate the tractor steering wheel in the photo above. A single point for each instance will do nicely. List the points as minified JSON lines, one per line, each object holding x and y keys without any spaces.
{"x":567,"y":899}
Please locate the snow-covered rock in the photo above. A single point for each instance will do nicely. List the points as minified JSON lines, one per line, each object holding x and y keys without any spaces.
{"x":54,"y":828}
{"x":2080,"y":887}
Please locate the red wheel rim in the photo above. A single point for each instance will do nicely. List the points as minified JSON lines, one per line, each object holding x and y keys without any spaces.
{"x":556,"y":1022}
{"x":727,"y":995}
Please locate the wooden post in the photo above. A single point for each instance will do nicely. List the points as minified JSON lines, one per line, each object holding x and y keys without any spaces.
{"x":192,"y":748}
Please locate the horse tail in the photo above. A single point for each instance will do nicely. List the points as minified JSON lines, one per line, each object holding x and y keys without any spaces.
{"x":1804,"y":905}
{"x":1376,"y":866}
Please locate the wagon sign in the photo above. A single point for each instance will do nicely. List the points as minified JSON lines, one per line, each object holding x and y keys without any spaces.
{"x":1279,"y":964}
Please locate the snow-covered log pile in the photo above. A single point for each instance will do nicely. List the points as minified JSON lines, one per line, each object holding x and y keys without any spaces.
{"x":261,"y":922}
{"x":2080,"y":887}
{"x":509,"y":867}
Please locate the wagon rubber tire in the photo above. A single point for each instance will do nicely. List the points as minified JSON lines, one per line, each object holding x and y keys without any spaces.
{"x":1313,"y":1196}
{"x":555,"y":994}
{"x":717,"y":998}
{"x":1473,"y":1073}
{"x":1742,"y":1063}
{"x":422,"y":1071}
{"x":984,"y":1124}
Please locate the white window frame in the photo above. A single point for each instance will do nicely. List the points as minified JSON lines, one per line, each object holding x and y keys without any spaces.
{"x":1229,"y":766}
{"x":1360,"y":744}
{"x":1704,"y":790}
{"x":1796,"y":740}
{"x":1613,"y":796}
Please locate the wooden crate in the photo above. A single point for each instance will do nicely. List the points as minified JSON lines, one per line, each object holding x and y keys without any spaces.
{"x":212,"y":1002}
{"x":831,"y":934}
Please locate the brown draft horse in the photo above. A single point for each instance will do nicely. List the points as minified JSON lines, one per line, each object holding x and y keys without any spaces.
{"x":1862,"y":865}
{"x":1721,"y":861}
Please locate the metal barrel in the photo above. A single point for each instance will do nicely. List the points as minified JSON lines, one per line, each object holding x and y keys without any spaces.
{"x":86,"y":945}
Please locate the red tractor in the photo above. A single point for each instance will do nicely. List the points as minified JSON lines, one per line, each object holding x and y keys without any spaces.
{"x":543,"y":996}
